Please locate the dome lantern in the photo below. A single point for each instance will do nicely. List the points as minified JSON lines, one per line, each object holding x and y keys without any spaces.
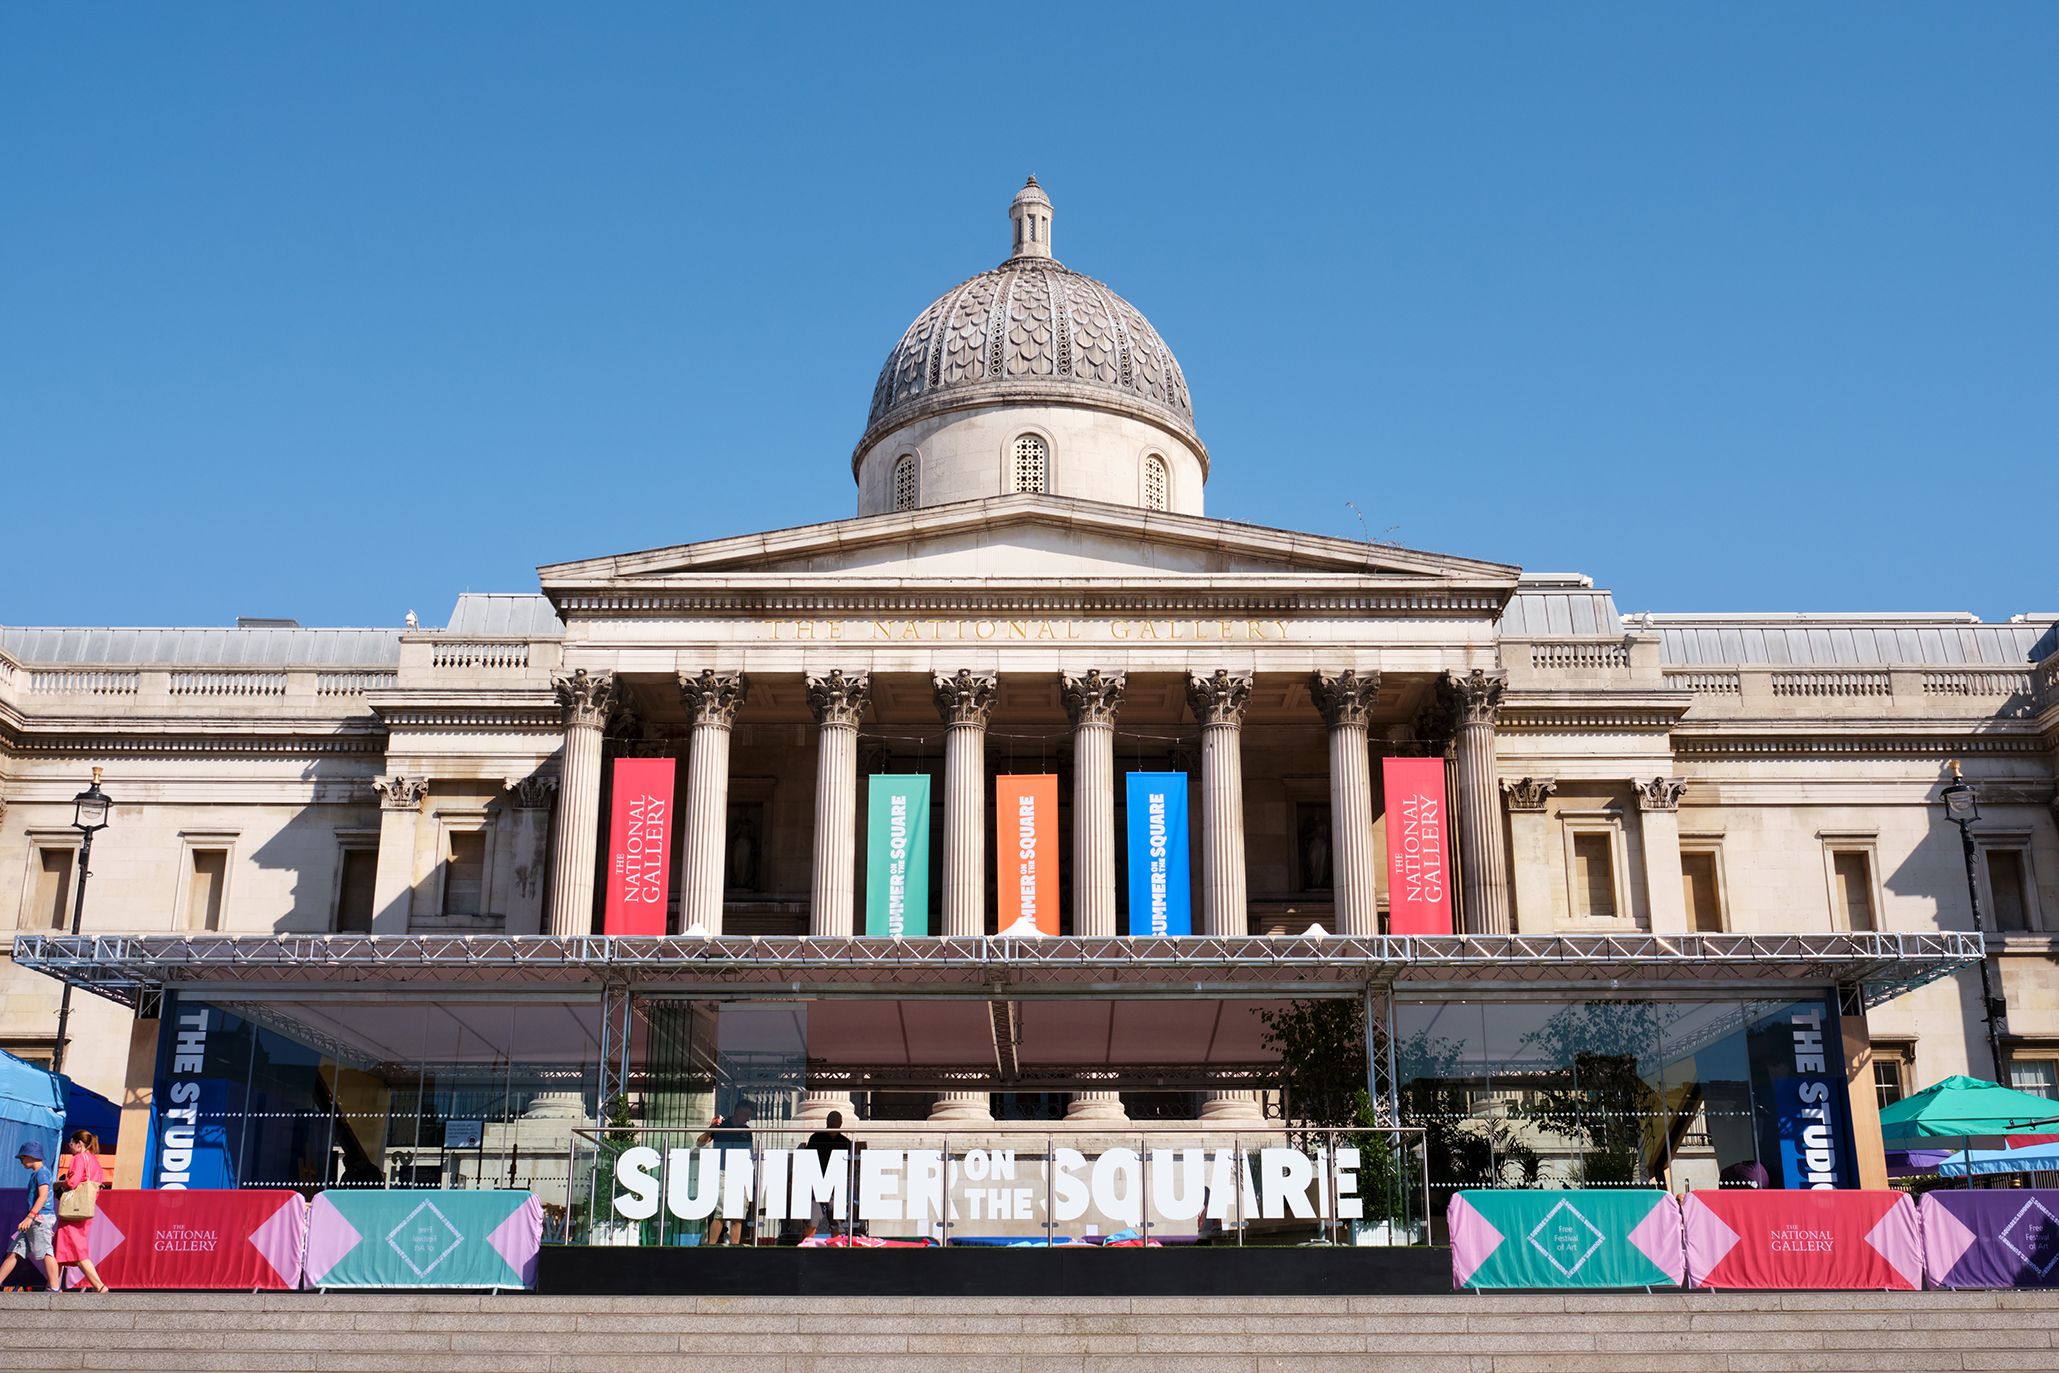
{"x":1031,"y":211}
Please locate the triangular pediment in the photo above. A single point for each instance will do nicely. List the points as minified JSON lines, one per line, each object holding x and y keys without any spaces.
{"x":1026,"y":539}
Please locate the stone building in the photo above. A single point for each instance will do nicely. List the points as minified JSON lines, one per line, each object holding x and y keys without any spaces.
{"x":1031,"y":585}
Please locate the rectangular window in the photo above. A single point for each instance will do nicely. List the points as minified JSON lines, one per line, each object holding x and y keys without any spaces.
{"x":50,"y":905}
{"x":354,"y":893}
{"x":1704,"y":902}
{"x":204,"y":895}
{"x":1890,"y":1078}
{"x":464,"y":879}
{"x":1852,"y":876}
{"x":2009,"y":890}
{"x":1594,"y":876}
{"x":2038,"y":1076}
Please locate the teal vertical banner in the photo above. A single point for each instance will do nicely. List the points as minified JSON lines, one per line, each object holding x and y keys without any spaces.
{"x":1160,"y":897}
{"x":897,"y":855}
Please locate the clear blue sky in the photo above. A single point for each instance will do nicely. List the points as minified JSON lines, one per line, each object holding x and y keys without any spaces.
{"x":333,"y":311}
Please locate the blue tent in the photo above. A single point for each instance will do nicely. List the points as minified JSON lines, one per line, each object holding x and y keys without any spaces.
{"x":31,"y":1107}
{"x":2031,"y":1158}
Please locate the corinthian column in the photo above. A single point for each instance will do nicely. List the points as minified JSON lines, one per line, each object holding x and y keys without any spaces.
{"x":586,"y":697}
{"x":837,"y":702}
{"x":1091,"y":701}
{"x":712,"y":700}
{"x":964,"y":699}
{"x":1218,"y":702}
{"x":1484,"y":881}
{"x":1346,"y":701}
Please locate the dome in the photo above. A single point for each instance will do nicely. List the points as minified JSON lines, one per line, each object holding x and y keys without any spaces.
{"x":1030,"y":331}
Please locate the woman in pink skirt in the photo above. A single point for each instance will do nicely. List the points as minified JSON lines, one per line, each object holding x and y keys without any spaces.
{"x":73,"y":1248}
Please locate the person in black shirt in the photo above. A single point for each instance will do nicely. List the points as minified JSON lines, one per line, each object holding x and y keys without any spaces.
{"x":733,"y":1137}
{"x":825,"y":1143}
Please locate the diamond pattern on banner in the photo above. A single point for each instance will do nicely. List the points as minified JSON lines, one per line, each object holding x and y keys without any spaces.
{"x":1558,"y":1239}
{"x":279,"y":1240}
{"x":1905,"y":1258}
{"x":2033,"y":1236}
{"x":416,"y":1238}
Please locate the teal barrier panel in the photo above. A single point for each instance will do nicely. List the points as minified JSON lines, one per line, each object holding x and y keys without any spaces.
{"x":1544,"y":1238}
{"x":398,"y":1239}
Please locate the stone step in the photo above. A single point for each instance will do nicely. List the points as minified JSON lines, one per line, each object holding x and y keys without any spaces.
{"x":1537,"y":1333}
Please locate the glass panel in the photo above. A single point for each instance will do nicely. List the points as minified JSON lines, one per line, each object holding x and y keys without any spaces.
{"x":1622,"y":1092}
{"x":2038,"y":1076}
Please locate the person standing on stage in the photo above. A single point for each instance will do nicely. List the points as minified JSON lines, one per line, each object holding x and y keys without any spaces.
{"x":732,"y":1137}
{"x":825,"y":1143}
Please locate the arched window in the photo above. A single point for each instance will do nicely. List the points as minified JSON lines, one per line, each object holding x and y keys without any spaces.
{"x":1031,"y":459}
{"x":904,"y":482}
{"x":1157,"y":486}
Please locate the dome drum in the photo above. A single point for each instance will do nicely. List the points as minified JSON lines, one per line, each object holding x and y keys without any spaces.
{"x":1031,"y":335}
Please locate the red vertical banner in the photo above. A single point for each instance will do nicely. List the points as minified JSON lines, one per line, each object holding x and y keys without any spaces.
{"x":639,"y":847}
{"x":1026,"y":849}
{"x":1418,"y":863}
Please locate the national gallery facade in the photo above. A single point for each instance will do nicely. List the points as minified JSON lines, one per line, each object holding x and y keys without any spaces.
{"x":1032,"y":798}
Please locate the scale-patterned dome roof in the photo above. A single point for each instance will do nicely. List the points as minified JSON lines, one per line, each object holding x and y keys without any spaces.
{"x":1030,"y":330}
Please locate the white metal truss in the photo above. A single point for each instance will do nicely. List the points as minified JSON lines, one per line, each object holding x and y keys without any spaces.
{"x":126,"y":967}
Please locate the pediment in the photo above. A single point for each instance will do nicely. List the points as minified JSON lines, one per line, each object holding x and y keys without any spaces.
{"x":1025,"y":539}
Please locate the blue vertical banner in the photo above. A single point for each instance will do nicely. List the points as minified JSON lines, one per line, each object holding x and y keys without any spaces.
{"x":1160,"y":894}
{"x":189,"y":1144}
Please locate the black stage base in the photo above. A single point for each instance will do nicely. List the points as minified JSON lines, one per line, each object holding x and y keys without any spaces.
{"x":1257,"y":1271}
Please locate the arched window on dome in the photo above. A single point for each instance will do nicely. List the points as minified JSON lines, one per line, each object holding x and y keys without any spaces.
{"x":904,"y":482}
{"x":1032,"y":460}
{"x":1157,"y":484}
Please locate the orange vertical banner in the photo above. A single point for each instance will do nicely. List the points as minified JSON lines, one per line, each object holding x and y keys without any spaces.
{"x":1026,"y":849}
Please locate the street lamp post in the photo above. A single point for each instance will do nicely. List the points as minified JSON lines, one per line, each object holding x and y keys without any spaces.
{"x":1962,"y":807}
{"x":90,"y":809}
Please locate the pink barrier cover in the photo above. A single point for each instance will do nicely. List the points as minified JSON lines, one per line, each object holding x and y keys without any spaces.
{"x":236,"y":1241}
{"x":1802,"y":1239}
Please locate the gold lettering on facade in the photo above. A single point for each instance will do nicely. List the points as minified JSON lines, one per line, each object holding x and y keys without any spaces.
{"x":1071,"y":629}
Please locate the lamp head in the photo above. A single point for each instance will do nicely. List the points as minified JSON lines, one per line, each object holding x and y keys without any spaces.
{"x":1962,"y":803}
{"x":90,"y":807}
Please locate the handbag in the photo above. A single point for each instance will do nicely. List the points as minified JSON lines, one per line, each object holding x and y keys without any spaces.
{"x":79,"y":1203}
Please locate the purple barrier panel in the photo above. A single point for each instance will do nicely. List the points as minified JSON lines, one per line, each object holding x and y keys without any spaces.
{"x":1990,"y":1239}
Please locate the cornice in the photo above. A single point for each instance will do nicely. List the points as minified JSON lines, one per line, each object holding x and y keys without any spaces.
{"x":993,"y":597}
{"x":201,"y":745}
{"x":1828,"y":744}
{"x":470,"y":710}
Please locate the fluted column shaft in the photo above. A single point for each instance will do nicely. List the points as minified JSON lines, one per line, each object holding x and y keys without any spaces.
{"x":1218,"y":702}
{"x":838,"y":701}
{"x":1484,"y":880}
{"x":1346,"y":701}
{"x":712,"y":700}
{"x":964,"y":699}
{"x":1092,"y":700}
{"x":587,"y":698}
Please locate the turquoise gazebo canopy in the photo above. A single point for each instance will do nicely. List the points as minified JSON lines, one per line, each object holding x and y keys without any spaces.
{"x":1965,"y":1107}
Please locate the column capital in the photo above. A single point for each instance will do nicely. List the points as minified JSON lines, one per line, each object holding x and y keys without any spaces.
{"x":713,"y":698}
{"x":838,"y":699}
{"x":533,"y":792}
{"x":1528,"y":793}
{"x":400,"y":793}
{"x":586,"y":697}
{"x":1219,"y":698}
{"x":1477,"y":695}
{"x":1660,"y":793}
{"x":1344,"y":698}
{"x":1092,"y":698}
{"x":966,"y":697}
